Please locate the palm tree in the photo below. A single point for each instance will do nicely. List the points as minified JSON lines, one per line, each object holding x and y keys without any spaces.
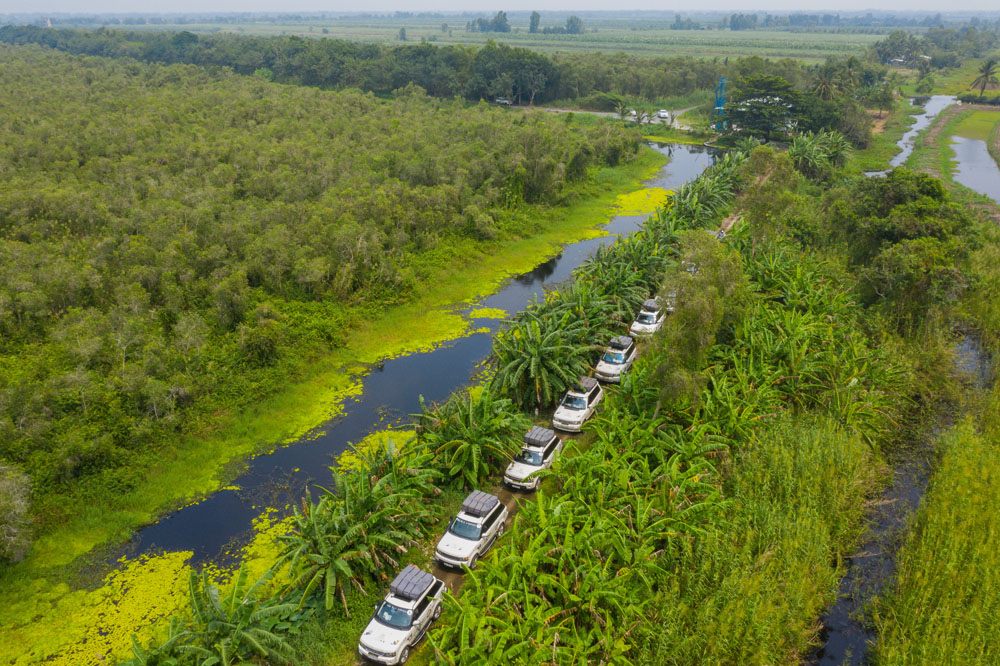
{"x":986,"y":78}
{"x":321,"y":557}
{"x":825,"y":85}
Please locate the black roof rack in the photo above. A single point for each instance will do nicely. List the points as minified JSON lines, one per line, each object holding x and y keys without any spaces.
{"x":479,"y":503}
{"x":410,"y":583}
{"x":584,"y":385}
{"x":651,"y":305}
{"x":621,"y":342}
{"x":538,"y":436}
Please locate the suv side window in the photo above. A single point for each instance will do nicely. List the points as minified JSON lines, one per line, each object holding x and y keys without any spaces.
{"x":550,"y":449}
{"x":492,"y":518}
{"x":593,"y":395}
{"x":421,"y":608}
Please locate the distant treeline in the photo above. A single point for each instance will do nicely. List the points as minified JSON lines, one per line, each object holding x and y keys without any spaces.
{"x":494,"y":70}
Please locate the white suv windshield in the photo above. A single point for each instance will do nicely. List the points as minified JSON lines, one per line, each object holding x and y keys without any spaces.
{"x":646,"y":318}
{"x":393,"y":616}
{"x":574,"y":402}
{"x":529,"y":457}
{"x":465,"y":529}
{"x":616,"y":358}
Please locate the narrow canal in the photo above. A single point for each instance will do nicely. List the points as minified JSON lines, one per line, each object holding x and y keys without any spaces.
{"x":975,"y":168}
{"x":846,"y":636}
{"x":390,"y":393}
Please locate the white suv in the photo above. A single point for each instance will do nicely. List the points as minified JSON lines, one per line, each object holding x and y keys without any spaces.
{"x":649,"y":320}
{"x":617,"y":359}
{"x":403,"y":617}
{"x":473,"y":531}
{"x":541,"y":446}
{"x":578,"y":405}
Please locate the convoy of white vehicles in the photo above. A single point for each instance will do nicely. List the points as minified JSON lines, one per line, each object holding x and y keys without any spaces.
{"x":401,"y":620}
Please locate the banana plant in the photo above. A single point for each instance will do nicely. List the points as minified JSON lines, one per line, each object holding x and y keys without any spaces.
{"x":538,"y":358}
{"x":473,"y":436}
{"x":240,"y":626}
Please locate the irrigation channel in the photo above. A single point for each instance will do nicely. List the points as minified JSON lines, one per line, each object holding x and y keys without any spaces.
{"x":217,"y":525}
{"x":845,"y":635}
{"x":975,"y":168}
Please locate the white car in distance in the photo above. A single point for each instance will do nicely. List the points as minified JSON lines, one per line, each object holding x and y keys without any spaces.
{"x":403,"y":617}
{"x":649,"y":320}
{"x":471,"y":533}
{"x":663,"y":114}
{"x":541,"y":446}
{"x":578,"y":405}
{"x":617,"y":359}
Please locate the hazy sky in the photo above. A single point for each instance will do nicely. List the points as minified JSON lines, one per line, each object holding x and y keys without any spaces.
{"x":123,"y":6}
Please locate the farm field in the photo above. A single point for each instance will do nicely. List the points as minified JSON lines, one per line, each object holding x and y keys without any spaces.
{"x":649,"y":39}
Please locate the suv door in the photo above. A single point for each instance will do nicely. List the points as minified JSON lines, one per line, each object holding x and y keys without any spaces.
{"x":490,"y":527}
{"x":422,"y":615}
{"x":550,"y":453}
{"x":592,"y":398}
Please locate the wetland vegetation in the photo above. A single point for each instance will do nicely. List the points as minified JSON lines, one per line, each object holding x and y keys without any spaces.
{"x":204,"y":233}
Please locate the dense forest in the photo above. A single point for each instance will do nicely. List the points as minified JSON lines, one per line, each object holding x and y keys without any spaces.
{"x":173,"y":240}
{"x":446,"y":71}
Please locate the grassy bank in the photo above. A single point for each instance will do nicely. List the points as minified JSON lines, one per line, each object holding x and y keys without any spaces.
{"x":78,"y":621}
{"x":884,"y":146}
{"x":947,"y":596}
{"x":933,"y":153}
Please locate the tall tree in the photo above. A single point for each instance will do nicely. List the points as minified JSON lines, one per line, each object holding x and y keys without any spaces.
{"x":574,"y":25}
{"x":762,"y":105}
{"x":534,"y":21}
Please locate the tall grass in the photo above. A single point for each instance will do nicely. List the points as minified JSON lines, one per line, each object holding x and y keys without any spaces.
{"x":747,"y":591}
{"x":944,"y":607}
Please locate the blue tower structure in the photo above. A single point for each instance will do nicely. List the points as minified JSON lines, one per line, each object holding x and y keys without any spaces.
{"x":719,"y":112}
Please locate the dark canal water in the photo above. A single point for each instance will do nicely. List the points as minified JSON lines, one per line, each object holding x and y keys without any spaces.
{"x":390,"y":393}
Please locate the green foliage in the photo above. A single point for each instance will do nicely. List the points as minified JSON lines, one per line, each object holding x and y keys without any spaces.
{"x":539,"y":355}
{"x":708,"y":288}
{"x":816,"y":155}
{"x":986,"y":77}
{"x":903,"y":233}
{"x":357,"y":532}
{"x":943,"y":605}
{"x":472,"y":437}
{"x":228,"y":628}
{"x":174,"y":243}
{"x":763,"y":105}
